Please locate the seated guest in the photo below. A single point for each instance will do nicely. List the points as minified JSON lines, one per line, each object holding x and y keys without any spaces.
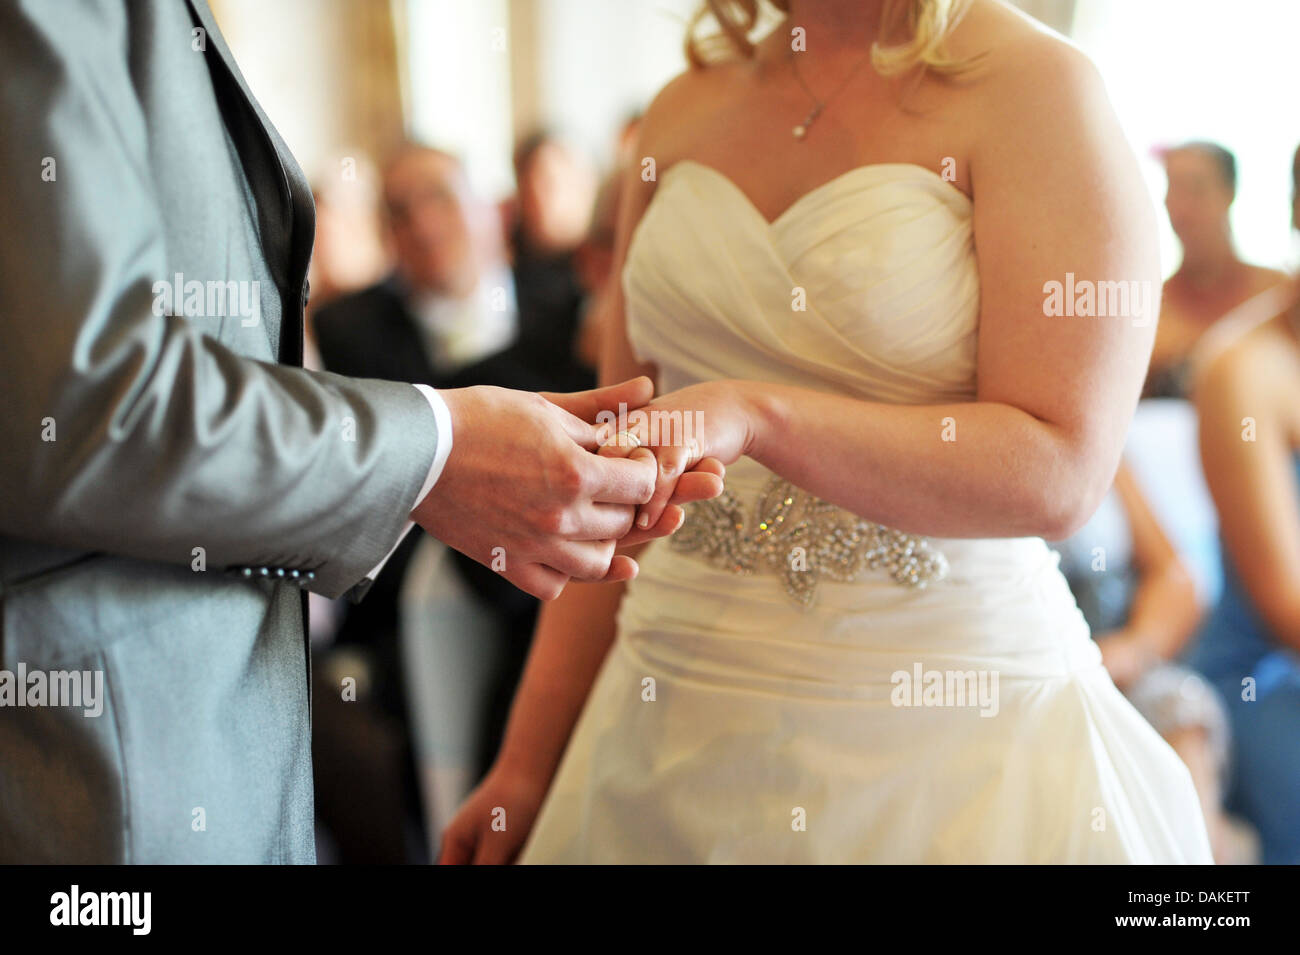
{"x":1141,"y":602}
{"x":556,"y":191}
{"x":1212,"y":280}
{"x":1248,"y":398}
{"x":451,"y":300}
{"x":446,"y":318}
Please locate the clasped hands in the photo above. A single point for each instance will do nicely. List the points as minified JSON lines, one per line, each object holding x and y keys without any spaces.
{"x":546,"y":488}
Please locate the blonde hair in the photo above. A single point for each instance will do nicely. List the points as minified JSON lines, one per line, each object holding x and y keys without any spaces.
{"x":927,"y":23}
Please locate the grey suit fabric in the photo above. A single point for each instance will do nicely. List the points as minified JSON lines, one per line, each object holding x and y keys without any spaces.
{"x":144,"y":450}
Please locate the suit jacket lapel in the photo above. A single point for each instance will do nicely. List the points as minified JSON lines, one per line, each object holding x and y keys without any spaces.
{"x":286,"y":213}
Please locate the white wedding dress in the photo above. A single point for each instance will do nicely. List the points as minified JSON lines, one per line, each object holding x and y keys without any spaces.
{"x":759,"y":716}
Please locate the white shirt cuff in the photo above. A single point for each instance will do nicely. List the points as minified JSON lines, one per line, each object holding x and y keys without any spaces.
{"x":442,"y":417}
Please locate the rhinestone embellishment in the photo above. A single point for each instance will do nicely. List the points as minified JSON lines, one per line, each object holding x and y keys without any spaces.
{"x":803,"y":539}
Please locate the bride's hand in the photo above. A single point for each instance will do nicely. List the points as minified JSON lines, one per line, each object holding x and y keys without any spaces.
{"x":694,"y":430}
{"x":509,"y":799}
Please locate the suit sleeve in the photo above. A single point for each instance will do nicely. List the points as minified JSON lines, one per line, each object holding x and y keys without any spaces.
{"x":127,"y":431}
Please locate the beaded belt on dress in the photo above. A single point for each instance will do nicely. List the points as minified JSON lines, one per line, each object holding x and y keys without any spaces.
{"x":803,"y":539}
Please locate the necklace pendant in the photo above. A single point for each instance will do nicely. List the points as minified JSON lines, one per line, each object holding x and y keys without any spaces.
{"x":801,"y":130}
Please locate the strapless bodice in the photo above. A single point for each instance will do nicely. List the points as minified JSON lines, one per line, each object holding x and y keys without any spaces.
{"x":865,"y":286}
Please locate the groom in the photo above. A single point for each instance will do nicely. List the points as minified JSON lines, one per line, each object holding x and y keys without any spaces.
{"x":171,"y":482}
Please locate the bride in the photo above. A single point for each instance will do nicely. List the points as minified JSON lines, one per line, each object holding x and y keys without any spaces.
{"x":835,"y":257}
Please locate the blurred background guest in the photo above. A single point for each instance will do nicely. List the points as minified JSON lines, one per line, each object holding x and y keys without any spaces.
{"x":1212,"y":279}
{"x":551,"y":213}
{"x":1248,"y":398}
{"x":451,"y":300}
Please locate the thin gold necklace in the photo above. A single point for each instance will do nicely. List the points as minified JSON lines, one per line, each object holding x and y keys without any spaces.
{"x":801,"y":131}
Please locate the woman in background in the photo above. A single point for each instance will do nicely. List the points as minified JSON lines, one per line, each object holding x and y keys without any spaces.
{"x":1212,"y":279}
{"x":1248,"y":402}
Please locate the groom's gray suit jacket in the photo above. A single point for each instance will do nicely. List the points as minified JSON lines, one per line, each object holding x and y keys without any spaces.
{"x":151,"y":441}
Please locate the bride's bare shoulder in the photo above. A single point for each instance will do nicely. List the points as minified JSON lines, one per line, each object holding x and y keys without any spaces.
{"x":1007,"y":35}
{"x":1012,"y":51}
{"x":1037,"y":102}
{"x":685,"y":106}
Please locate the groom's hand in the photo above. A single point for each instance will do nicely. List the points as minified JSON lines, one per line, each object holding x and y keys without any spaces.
{"x":522,"y":492}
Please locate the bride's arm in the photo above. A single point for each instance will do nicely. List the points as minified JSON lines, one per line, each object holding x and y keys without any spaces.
{"x":573,"y":635}
{"x":1056,"y":191}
